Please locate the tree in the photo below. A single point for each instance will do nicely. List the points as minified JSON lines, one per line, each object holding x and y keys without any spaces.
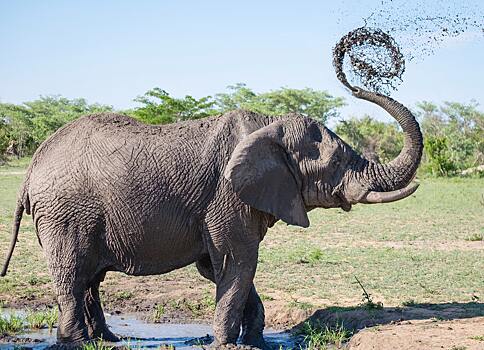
{"x":454,"y":136}
{"x":376,"y":140}
{"x":30,"y":123}
{"x":158,"y":107}
{"x":319,"y":105}
{"x":4,"y":139}
{"x":239,"y":97}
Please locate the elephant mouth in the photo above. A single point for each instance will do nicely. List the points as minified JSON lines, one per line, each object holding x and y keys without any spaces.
{"x":344,"y":204}
{"x":338,"y":193}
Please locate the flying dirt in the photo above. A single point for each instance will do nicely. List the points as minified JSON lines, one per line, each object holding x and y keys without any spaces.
{"x":374,"y":55}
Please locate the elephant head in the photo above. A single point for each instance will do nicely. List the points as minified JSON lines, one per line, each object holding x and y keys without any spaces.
{"x":296,"y":164}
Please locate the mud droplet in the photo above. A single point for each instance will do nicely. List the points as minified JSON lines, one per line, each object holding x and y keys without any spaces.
{"x":373,"y":59}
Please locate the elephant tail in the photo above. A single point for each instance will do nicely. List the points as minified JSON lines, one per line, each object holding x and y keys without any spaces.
{"x":16,"y":225}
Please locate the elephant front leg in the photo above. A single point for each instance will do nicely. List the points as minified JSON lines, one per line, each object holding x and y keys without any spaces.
{"x":253,"y":321}
{"x":234,"y":278}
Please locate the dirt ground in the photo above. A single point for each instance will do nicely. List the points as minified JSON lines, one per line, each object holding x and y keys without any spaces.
{"x":452,"y":326}
{"x":465,"y":334}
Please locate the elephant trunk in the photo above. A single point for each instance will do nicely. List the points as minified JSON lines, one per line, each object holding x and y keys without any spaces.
{"x":390,"y":182}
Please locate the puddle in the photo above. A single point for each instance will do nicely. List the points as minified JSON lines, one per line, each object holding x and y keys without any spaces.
{"x":140,"y":334}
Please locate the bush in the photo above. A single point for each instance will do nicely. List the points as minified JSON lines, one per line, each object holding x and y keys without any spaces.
{"x":439,"y":160}
{"x":377,"y":141}
{"x":453,"y":137}
{"x":27,"y":125}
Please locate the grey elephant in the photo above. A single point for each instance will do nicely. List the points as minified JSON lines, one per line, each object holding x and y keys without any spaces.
{"x":108,"y":193}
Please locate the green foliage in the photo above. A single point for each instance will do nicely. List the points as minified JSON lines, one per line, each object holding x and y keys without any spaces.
{"x":439,"y":158}
{"x":158,"y":107}
{"x":312,"y":256}
{"x":4,"y":139}
{"x":376,"y":140}
{"x":453,"y":137}
{"x":27,"y":125}
{"x":453,"y":133}
{"x":319,"y":105}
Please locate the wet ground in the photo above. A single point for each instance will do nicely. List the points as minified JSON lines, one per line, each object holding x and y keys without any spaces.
{"x":140,"y":334}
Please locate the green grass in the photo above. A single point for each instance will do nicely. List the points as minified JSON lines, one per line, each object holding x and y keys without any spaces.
{"x":475,"y":237}
{"x":417,"y":249}
{"x":319,"y":337}
{"x":412,"y":249}
{"x":194,"y":308}
{"x":42,"y":319}
{"x":97,"y":345}
{"x":11,"y":325}
{"x":124,"y":295}
{"x":478,"y":338}
{"x":158,"y":313}
{"x":15,"y":165}
{"x":302,"y":305}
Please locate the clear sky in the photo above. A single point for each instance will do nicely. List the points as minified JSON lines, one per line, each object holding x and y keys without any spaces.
{"x":112,"y":51}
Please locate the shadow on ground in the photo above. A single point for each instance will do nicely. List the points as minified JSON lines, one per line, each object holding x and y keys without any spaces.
{"x":364,"y":316}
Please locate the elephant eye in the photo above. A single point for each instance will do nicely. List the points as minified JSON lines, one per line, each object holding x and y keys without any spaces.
{"x":336,"y":160}
{"x":313,"y":152}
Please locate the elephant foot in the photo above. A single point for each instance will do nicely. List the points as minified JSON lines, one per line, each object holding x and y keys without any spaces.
{"x":66,"y":346}
{"x":106,"y":335}
{"x":256,"y":342}
{"x":72,"y":338}
{"x":262,"y":345}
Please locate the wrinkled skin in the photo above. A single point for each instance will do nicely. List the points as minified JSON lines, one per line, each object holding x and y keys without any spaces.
{"x":107,"y":193}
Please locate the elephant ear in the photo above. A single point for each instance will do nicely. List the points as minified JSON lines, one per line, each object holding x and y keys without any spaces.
{"x":264,"y":176}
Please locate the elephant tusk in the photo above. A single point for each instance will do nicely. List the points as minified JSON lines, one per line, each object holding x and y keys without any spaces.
{"x":387,"y":197}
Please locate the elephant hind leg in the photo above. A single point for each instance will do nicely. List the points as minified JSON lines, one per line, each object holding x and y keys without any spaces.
{"x":71,"y":261}
{"x":93,"y":312}
{"x":70,"y":300}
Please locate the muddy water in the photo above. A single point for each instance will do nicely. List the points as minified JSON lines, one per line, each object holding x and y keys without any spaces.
{"x":140,"y":334}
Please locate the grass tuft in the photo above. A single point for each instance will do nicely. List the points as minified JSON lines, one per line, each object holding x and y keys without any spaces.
{"x":318,"y":337}
{"x":409,"y":302}
{"x":478,"y":337}
{"x":367,"y":299}
{"x":265,"y":297}
{"x":158,"y":313}
{"x":302,"y":305}
{"x":97,"y":345}
{"x":123,"y":295}
{"x":12,"y":324}
{"x":42,"y":319}
{"x":475,"y":237}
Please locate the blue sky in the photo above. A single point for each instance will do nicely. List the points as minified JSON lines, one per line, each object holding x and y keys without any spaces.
{"x":112,"y":51}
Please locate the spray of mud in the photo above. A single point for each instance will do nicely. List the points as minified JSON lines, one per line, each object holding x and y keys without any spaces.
{"x":371,"y":56}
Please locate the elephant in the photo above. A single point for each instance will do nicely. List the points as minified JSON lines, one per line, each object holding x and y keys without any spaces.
{"x":109,"y":193}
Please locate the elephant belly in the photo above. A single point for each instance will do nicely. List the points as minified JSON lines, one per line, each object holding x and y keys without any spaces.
{"x":157,"y":248}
